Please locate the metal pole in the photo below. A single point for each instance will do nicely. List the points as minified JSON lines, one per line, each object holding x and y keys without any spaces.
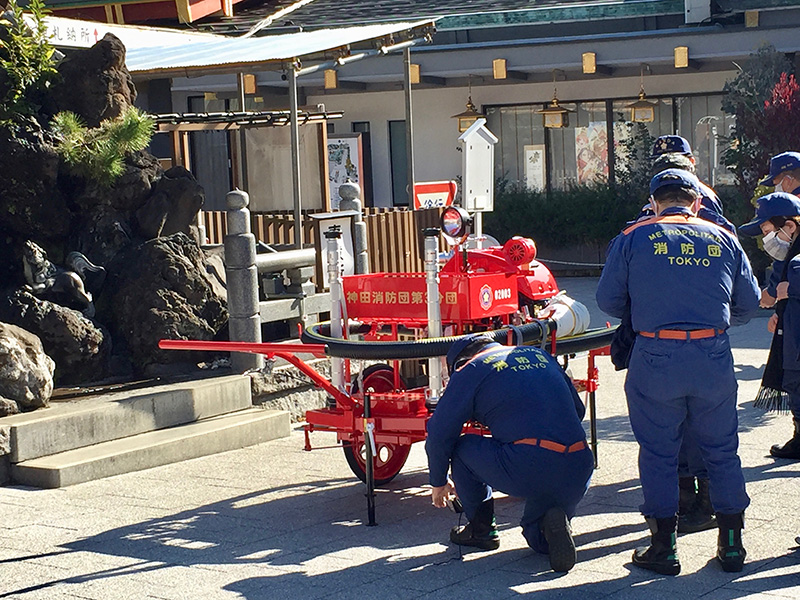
{"x":409,"y":124}
{"x":239,"y":134}
{"x":334,"y":238}
{"x":434,"y":312}
{"x":294,"y":129}
{"x":240,"y":90}
{"x":369,"y":450}
{"x":713,"y":155}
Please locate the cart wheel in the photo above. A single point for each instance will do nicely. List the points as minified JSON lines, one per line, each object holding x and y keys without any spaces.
{"x":388,"y":462}
{"x":390,"y":457}
{"x":378,"y":378}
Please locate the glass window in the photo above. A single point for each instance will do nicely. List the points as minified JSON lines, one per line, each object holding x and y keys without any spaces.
{"x":633,"y":142}
{"x":529,"y":154}
{"x":702,"y":122}
{"x":519,"y":155}
{"x":399,"y":162}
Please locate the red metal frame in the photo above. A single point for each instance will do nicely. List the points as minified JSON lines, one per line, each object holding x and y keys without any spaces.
{"x":479,"y":290}
{"x":400,"y":416}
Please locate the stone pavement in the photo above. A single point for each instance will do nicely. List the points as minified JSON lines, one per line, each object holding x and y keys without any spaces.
{"x":273,"y":521}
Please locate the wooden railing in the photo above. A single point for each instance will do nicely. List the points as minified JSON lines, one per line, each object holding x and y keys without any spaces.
{"x":394,"y":236}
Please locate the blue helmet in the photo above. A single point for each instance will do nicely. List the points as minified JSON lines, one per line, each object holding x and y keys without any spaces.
{"x":778,"y":204}
{"x":667,"y":144}
{"x":787,"y":161}
{"x":677,"y":177}
{"x":465,"y":348}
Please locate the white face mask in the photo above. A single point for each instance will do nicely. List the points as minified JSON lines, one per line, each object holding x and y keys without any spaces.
{"x":775,"y":246}
{"x":779,"y":187}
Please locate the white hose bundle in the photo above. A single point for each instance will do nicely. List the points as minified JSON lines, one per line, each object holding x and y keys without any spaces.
{"x":571,"y":316}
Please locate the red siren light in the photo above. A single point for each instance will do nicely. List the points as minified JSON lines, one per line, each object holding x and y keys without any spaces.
{"x":519,"y":250}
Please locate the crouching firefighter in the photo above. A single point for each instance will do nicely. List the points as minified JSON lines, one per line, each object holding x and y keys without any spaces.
{"x":537,"y":449}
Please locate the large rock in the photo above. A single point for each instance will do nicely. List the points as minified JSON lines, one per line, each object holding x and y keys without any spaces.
{"x":104,"y":233}
{"x":26,"y":372}
{"x":79,"y":347}
{"x":31,"y":204}
{"x":127,"y":194}
{"x":135,"y":185}
{"x":173,"y":207}
{"x":160,"y":289}
{"x":95,"y":84}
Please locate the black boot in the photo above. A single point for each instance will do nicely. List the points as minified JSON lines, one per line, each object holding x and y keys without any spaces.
{"x":701,"y":516}
{"x":481,"y":531}
{"x":557,"y":532}
{"x":688,"y":495}
{"x":790,"y":449}
{"x":662,"y":554}
{"x":730,"y":551}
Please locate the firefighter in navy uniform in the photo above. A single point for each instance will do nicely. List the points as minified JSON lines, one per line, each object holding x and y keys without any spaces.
{"x":695,"y":512}
{"x":784,"y":176}
{"x":537,"y":449}
{"x":778,"y":220}
{"x":685,"y":281}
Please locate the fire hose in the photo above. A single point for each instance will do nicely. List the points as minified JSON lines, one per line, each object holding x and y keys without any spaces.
{"x":536,"y":332}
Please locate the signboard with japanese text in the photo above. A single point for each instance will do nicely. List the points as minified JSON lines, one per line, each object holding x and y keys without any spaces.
{"x":325,"y":222}
{"x":402,"y":297}
{"x":77,"y":33}
{"x":434,"y":194}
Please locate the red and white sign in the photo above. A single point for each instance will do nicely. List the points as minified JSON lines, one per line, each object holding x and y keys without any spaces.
{"x":434,"y":194}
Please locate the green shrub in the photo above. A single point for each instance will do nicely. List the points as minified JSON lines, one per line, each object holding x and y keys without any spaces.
{"x":98,"y":154}
{"x":26,"y":65}
{"x":585,"y":214}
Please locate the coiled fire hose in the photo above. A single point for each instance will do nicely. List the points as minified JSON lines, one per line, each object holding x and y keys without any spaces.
{"x":536,"y":332}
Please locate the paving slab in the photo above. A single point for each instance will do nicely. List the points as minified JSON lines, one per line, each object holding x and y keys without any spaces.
{"x":272,"y":521}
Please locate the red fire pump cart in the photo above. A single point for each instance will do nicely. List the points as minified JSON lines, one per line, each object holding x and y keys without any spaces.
{"x":411,"y":316}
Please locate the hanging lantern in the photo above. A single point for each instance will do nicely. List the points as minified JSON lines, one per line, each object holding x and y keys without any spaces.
{"x":468,"y":117}
{"x":643,"y":111}
{"x":555,"y":115}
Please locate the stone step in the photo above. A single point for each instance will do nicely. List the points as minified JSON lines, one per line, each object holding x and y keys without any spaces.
{"x":152,"y":449}
{"x":67,"y":426}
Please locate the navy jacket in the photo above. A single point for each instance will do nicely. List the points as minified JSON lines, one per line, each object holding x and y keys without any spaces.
{"x":791,"y":318}
{"x":677,"y":271}
{"x":517,"y":392}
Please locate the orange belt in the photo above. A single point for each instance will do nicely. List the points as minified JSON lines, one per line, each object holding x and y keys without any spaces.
{"x":680,"y":334}
{"x":554,"y":446}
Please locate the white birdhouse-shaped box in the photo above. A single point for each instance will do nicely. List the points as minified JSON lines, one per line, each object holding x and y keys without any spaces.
{"x":477,"y":188}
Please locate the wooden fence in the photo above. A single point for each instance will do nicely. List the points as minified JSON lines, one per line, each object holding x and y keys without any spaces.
{"x":394,"y":236}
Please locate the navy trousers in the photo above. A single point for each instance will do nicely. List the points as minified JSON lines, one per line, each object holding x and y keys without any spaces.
{"x":676,"y":386}
{"x":791,"y":383}
{"x":690,"y":460}
{"x":546,"y":479}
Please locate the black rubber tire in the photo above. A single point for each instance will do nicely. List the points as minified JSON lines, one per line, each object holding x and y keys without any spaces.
{"x":386,"y":469}
{"x":391,"y":457}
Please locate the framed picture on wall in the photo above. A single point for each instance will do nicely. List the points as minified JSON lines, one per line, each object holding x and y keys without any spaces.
{"x":345,"y":161}
{"x":534,"y":166}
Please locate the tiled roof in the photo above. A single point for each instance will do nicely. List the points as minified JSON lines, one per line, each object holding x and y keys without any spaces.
{"x":337,"y":13}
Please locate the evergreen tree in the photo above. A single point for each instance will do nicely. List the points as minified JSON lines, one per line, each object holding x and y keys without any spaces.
{"x":26,"y":63}
{"x":98,"y":154}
